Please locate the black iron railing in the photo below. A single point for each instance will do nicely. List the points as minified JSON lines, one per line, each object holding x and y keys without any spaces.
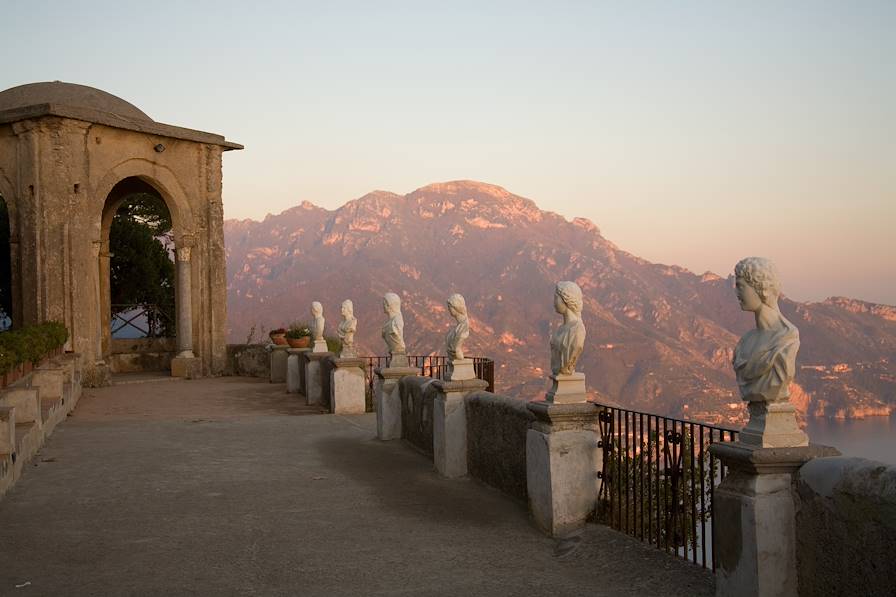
{"x":435,"y":366}
{"x":658,"y":480}
{"x":140,"y":321}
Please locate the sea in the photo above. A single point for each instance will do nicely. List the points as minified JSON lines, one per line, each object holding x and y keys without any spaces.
{"x":871,"y":437}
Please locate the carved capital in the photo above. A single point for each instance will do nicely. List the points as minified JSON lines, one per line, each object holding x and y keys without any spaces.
{"x":183,"y":254}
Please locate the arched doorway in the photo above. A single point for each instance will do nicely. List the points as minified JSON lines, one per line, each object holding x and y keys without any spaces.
{"x":6,"y":291}
{"x":138,"y":278}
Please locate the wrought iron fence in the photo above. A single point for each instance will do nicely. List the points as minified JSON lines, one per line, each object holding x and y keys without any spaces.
{"x":140,"y":321}
{"x":658,"y":480}
{"x":435,"y":366}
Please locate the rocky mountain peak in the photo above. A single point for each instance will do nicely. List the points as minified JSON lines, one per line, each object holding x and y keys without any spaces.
{"x":659,"y":336}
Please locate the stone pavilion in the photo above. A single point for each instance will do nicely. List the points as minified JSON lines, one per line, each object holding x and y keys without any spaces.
{"x":69,"y":155}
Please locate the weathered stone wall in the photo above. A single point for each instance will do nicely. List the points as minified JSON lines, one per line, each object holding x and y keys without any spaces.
{"x":141,"y":354}
{"x":846,"y":527}
{"x":248,"y":360}
{"x":417,"y":395}
{"x":496,"y":441}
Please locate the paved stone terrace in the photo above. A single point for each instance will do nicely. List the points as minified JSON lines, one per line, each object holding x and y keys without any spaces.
{"x":230,"y":487}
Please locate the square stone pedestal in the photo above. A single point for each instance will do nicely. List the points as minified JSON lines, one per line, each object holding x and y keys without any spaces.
{"x":186,"y":367}
{"x":8,"y":431}
{"x":754,"y":519}
{"x":387,"y":400}
{"x":279,"y":357}
{"x":347,"y":386}
{"x":320,"y":346}
{"x":398,"y":360}
{"x":567,"y":389}
{"x":50,"y":381}
{"x":449,"y":425}
{"x":772,"y":425}
{"x":460,"y":370}
{"x":562,"y":460}
{"x":294,"y":369}
{"x":314,"y":379}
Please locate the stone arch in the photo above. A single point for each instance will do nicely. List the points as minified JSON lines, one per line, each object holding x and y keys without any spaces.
{"x":6,"y":189}
{"x":140,"y":175}
{"x":160,"y":178}
{"x":11,"y":205}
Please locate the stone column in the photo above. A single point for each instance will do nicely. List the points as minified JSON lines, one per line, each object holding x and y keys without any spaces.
{"x":449,"y":424}
{"x":98,"y":375}
{"x":387,"y":400}
{"x":184,"y":303}
{"x":185,"y":364}
{"x":314,"y":379}
{"x":279,"y":355}
{"x":755,"y":519}
{"x":294,"y":367}
{"x":348,"y":387}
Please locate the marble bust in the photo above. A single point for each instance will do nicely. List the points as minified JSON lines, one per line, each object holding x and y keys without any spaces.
{"x":317,"y":327}
{"x":765,"y":359}
{"x":568,"y":340}
{"x":346,"y":330}
{"x":393,"y":330}
{"x":454,"y":340}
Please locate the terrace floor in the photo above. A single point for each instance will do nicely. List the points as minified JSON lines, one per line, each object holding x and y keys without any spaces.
{"x":230,"y":487}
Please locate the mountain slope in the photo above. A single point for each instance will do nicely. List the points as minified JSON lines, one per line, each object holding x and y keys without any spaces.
{"x":659,"y":337}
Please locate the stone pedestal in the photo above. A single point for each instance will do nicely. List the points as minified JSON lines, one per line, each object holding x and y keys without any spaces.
{"x":186,"y":367}
{"x":460,"y":370}
{"x":314,"y":379}
{"x":562,"y":460}
{"x":449,"y":425}
{"x":279,"y":356}
{"x":26,"y":401}
{"x":772,"y":425}
{"x":398,"y":360}
{"x":754,"y":519}
{"x":319,"y":346}
{"x":294,"y":369}
{"x":347,"y":386}
{"x":7,"y":430}
{"x":567,"y":389}
{"x":50,"y":381}
{"x":388,"y":400}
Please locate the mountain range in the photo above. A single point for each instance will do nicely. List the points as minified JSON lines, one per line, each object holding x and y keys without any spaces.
{"x":660,"y":338}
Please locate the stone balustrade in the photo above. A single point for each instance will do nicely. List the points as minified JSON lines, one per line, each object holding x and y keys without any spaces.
{"x":31,"y":408}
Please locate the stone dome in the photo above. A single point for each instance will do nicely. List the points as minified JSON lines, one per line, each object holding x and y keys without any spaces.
{"x":69,"y":95}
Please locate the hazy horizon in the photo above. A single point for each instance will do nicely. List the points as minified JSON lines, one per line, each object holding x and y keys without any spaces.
{"x":690,"y":134}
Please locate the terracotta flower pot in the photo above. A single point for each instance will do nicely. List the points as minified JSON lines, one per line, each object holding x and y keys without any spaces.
{"x":303,"y":342}
{"x":279,"y":339}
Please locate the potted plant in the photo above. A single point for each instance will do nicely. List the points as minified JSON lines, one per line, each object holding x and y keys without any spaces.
{"x":299,"y":335}
{"x":278,"y":336}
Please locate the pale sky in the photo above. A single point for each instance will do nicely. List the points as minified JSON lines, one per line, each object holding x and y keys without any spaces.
{"x":693,"y":133}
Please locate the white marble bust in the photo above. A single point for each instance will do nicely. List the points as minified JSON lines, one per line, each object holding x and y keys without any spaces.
{"x":454,"y":340}
{"x":317,"y":321}
{"x":568,"y":340}
{"x":765,"y":357}
{"x":393,"y":329}
{"x":346,"y":330}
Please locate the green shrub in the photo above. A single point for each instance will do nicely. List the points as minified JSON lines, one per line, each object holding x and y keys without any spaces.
{"x":298,"y":330}
{"x":334,"y":345}
{"x":30,"y":343}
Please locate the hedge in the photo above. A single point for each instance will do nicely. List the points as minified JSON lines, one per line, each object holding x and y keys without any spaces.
{"x":30,"y":343}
